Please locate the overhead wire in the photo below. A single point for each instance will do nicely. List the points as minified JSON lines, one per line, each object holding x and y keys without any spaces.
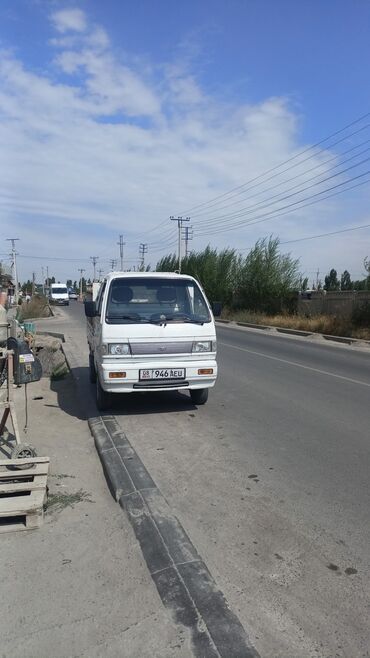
{"x":303,"y":173}
{"x":277,"y":198}
{"x":267,"y":216}
{"x":281,"y":164}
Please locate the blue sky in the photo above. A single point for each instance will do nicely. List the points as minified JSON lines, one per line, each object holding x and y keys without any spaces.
{"x":117,"y":114}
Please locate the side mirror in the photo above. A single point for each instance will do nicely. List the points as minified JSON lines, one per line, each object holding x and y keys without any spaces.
{"x":217,"y":309}
{"x":90,"y":309}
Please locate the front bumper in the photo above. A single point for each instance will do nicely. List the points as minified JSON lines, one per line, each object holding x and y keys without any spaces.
{"x":132,"y":384}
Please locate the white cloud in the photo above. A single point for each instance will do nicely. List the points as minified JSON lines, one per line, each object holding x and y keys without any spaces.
{"x":115,"y":149}
{"x":67,"y":20}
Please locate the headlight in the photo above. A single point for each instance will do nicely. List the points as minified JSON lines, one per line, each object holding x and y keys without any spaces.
{"x":202,"y":346}
{"x":119,"y":349}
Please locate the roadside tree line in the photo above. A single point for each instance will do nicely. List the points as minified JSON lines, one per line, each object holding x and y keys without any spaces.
{"x":265,"y":280}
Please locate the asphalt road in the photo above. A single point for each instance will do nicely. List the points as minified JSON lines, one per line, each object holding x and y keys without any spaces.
{"x":271,"y":481}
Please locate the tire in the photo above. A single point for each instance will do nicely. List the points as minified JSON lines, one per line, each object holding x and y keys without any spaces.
{"x":199,"y":395}
{"x":103,"y":399}
{"x":92,"y":371}
{"x":22,"y":451}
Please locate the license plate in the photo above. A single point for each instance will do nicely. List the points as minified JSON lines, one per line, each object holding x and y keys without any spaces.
{"x":162,"y":373}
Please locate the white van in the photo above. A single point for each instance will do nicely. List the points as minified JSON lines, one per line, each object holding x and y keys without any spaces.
{"x":151,"y":332}
{"x":59,"y":294}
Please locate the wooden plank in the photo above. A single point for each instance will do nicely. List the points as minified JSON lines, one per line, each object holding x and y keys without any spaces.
{"x":38,"y":484}
{"x":38,"y":469}
{"x":21,"y":505}
{"x":26,"y":460}
{"x":30,"y":522}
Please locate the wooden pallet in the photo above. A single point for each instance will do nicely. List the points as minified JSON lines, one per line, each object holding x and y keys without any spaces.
{"x":22,"y":493}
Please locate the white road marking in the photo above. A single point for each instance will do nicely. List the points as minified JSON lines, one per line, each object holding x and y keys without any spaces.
{"x":294,"y":363}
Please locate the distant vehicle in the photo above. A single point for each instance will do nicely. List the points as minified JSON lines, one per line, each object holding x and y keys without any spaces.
{"x":150,"y":332}
{"x":72,"y":294}
{"x":59,"y":294}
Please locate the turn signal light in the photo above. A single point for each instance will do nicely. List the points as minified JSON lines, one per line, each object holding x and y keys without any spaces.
{"x":117,"y":375}
{"x":205,"y":371}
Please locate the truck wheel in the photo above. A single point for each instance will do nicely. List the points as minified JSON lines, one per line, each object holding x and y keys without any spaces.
{"x":103,"y":399}
{"x":92,"y":371}
{"x":199,"y":395}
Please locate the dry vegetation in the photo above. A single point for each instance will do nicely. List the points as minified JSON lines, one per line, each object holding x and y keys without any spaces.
{"x":38,"y":307}
{"x":323,"y":324}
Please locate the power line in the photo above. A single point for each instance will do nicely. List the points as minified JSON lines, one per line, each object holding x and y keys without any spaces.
{"x":242,"y":212}
{"x":318,"y":166}
{"x":281,"y":164}
{"x":277,"y":213}
{"x":323,"y":235}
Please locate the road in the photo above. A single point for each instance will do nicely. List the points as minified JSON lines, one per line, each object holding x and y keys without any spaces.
{"x":271,"y":481}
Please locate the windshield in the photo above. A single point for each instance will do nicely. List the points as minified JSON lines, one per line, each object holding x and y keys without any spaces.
{"x":133,"y":300}
{"x":59,"y":291}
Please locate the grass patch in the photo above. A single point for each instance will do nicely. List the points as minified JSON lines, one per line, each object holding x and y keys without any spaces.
{"x":323,"y":324}
{"x":38,"y":307}
{"x":59,"y":501}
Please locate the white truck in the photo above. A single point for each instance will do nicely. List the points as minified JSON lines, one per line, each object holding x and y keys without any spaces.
{"x":150,"y":332}
{"x":58,"y":294}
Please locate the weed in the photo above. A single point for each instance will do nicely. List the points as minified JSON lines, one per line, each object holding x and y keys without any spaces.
{"x":58,"y":502}
{"x":324,"y":324}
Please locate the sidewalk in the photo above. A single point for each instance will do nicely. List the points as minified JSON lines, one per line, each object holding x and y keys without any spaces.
{"x":78,"y":586}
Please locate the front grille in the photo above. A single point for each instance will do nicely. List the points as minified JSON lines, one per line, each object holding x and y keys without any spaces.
{"x":163,"y":349}
{"x":162,"y":383}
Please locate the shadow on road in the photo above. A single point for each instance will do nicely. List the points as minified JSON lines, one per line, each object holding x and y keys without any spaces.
{"x":76,"y":396}
{"x":151,"y":403}
{"x":69,"y":399}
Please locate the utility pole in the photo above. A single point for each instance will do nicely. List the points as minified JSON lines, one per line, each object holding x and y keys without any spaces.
{"x":317,"y":279}
{"x":33,"y":283}
{"x":100,"y":272}
{"x":43,"y":280}
{"x":94,"y":261}
{"x":81,"y":271}
{"x":180,"y":221}
{"x":113,"y":262}
{"x":188,"y":233}
{"x":14,"y":267}
{"x":121,"y":245}
{"x":143,"y":249}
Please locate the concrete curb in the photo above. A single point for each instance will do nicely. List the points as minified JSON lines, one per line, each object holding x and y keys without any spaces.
{"x":182,"y":579}
{"x":347,"y":340}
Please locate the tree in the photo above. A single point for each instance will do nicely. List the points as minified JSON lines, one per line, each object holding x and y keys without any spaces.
{"x":268,"y":278}
{"x":345,"y":281}
{"x":304,"y":283}
{"x":331,"y":281}
{"x":260,"y":281}
{"x":69,"y":283}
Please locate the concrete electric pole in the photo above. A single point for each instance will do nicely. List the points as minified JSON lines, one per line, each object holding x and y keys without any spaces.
{"x":188,"y":235}
{"x":121,"y":245}
{"x":143,"y":249}
{"x":81,"y":271}
{"x":94,"y":261}
{"x":180,"y":221}
{"x":113,"y":262}
{"x":14,"y":268}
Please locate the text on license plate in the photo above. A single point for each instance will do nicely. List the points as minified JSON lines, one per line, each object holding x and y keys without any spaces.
{"x":163,"y":373}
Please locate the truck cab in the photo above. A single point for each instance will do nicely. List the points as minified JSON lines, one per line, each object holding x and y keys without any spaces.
{"x":150,"y":332}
